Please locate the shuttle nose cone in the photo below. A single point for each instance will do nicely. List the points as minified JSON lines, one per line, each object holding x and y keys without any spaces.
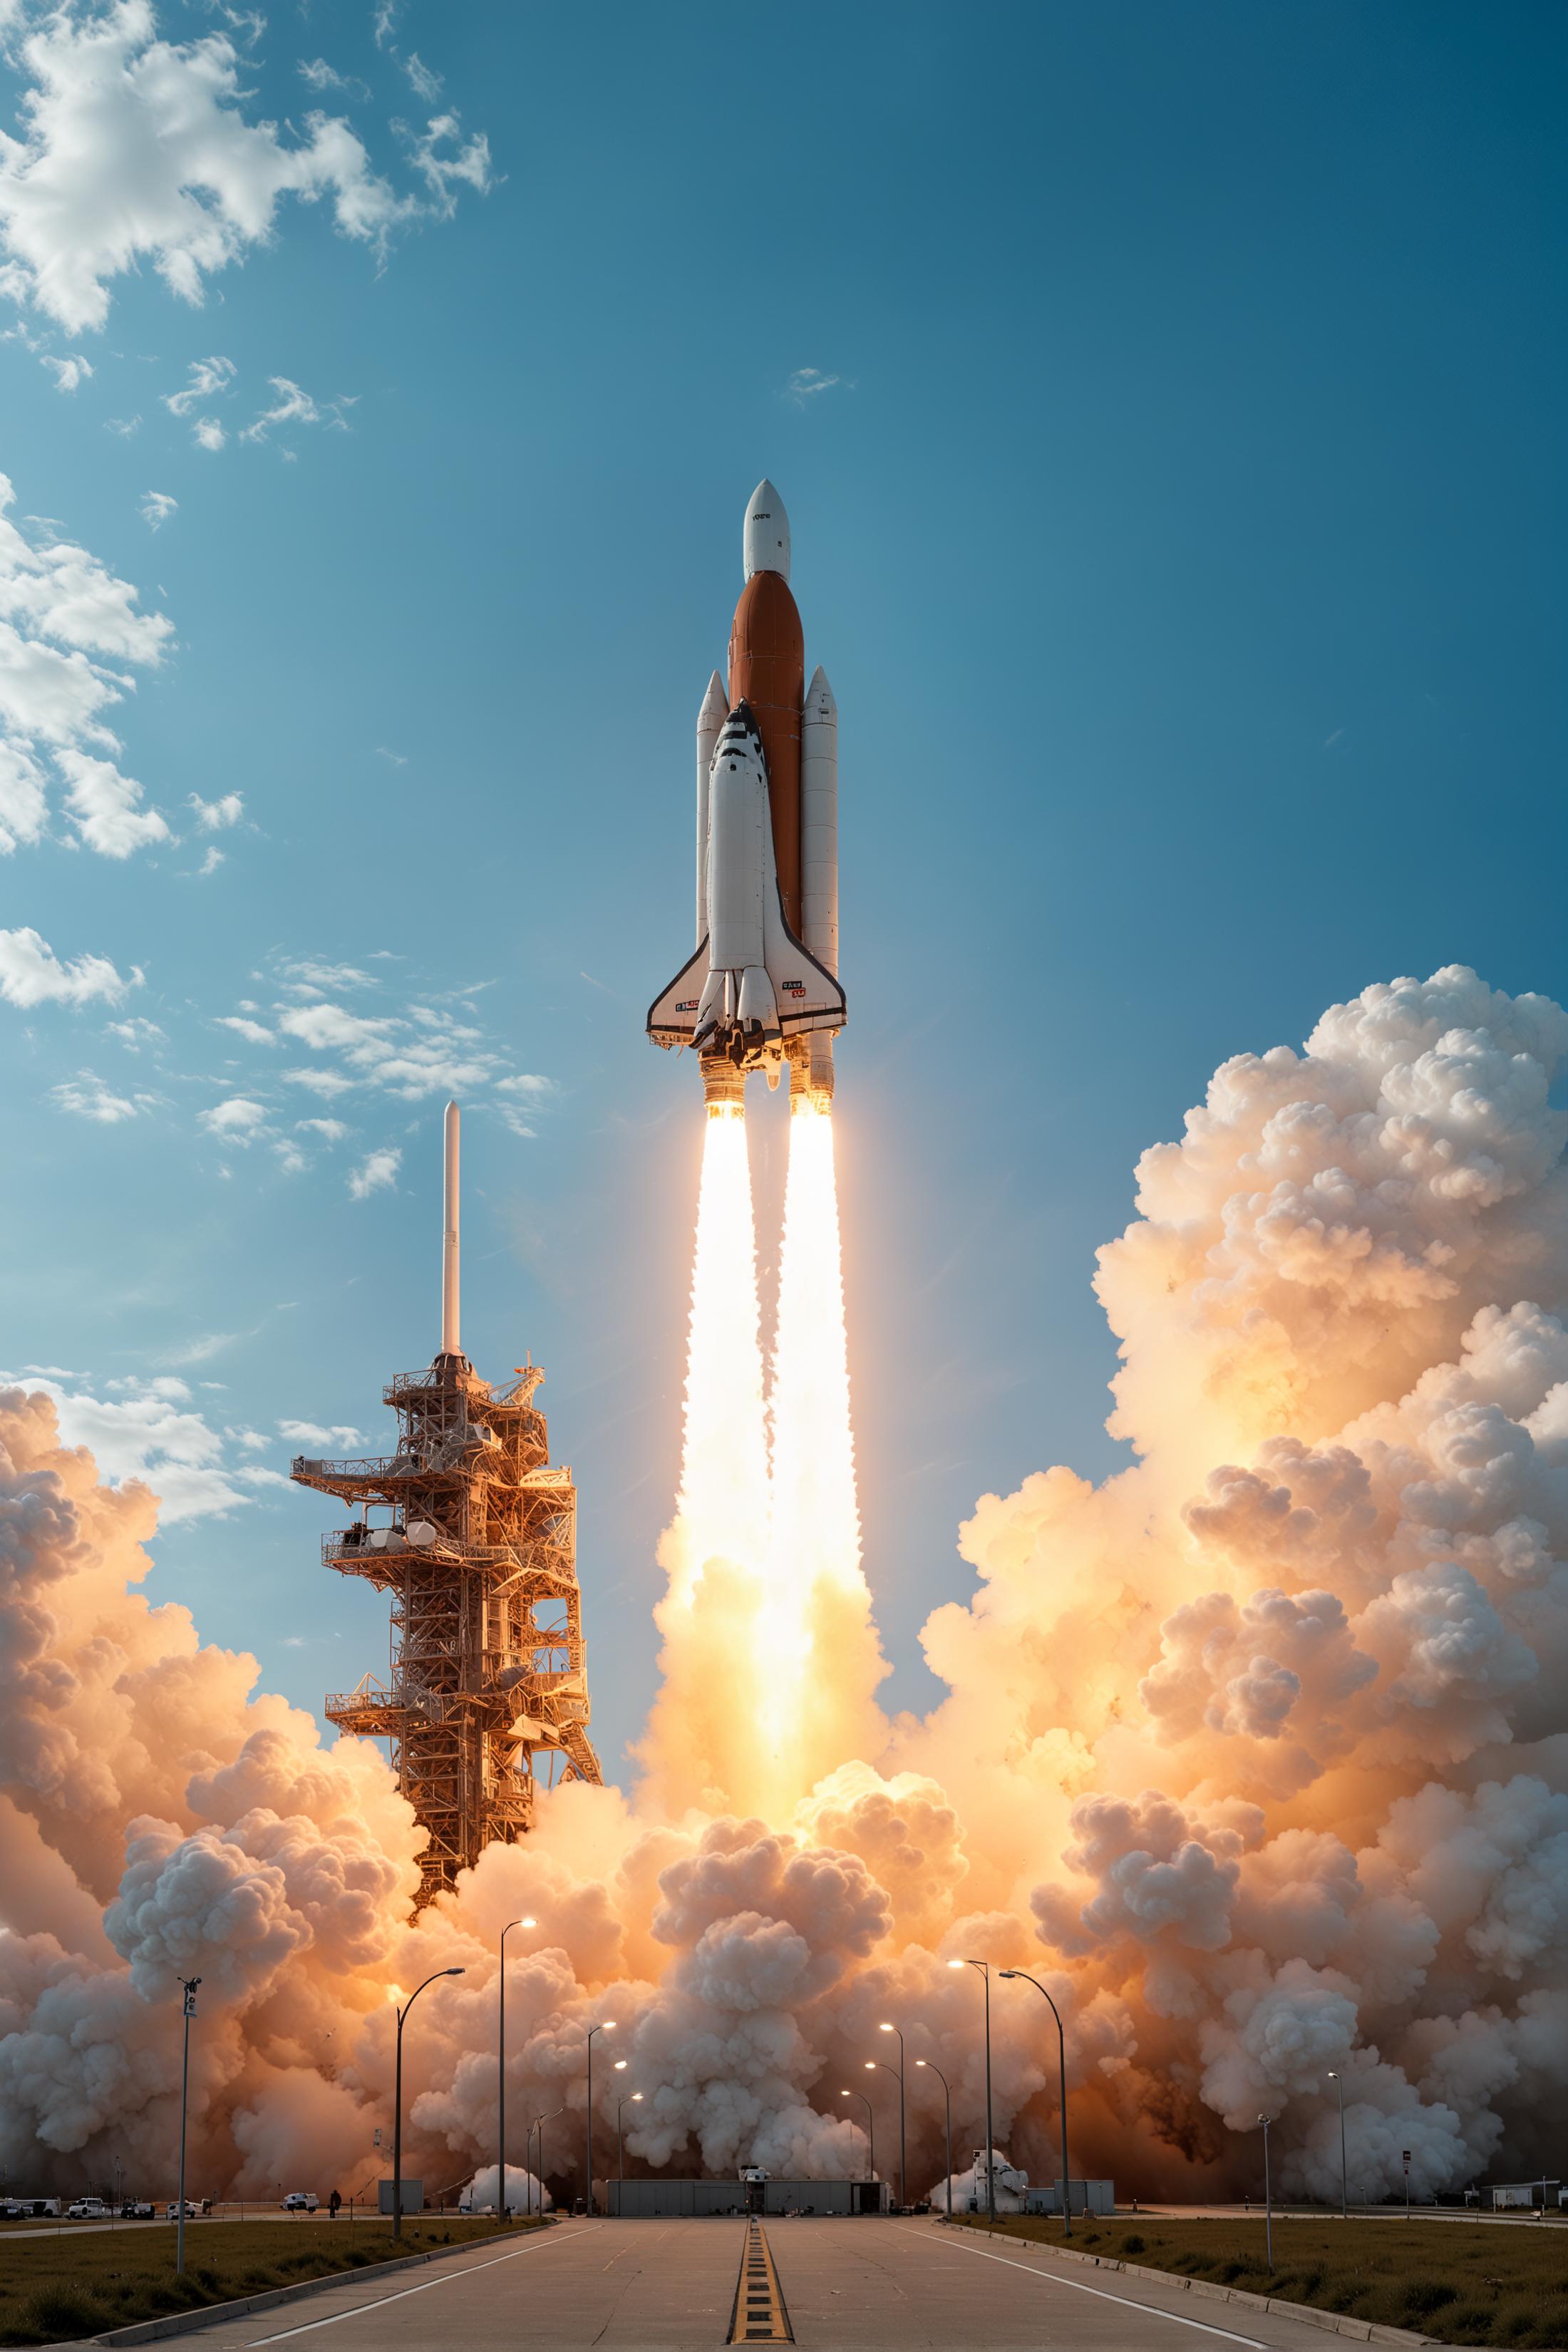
{"x":765,"y":542}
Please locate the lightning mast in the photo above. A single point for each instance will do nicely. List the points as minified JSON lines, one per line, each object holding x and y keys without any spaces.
{"x":487,"y":1698}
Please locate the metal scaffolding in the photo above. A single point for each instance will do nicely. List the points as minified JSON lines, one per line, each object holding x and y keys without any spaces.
{"x":487,"y":1693}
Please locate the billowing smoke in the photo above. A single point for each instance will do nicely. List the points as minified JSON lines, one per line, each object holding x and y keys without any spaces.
{"x":1255,"y":1754}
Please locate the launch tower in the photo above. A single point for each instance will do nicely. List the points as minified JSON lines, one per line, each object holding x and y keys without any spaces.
{"x":473,"y":1534}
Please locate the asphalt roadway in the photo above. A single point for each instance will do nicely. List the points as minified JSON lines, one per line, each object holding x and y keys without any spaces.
{"x":861,"y":2286}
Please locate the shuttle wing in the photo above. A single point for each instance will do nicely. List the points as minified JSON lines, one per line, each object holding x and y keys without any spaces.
{"x":672,"y":1017}
{"x":809,"y":995}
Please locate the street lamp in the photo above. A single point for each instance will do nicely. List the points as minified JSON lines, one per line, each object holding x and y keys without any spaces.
{"x":1339,"y":2083}
{"x":188,"y":1987}
{"x":608,"y":2026}
{"x":984,"y":1968}
{"x":634,"y":2097}
{"x":1267,"y":2198}
{"x":870,"y":2128}
{"x":879,"y":2065}
{"x":397,"y":2103}
{"x":538,"y":2126}
{"x":947,"y":2094}
{"x":1062,"y":2055}
{"x":903,"y":2186}
{"x":500,"y":2046}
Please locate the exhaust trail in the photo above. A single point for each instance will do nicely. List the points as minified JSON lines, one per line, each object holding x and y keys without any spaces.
{"x":722,"y":1509}
{"x":815,"y":1622}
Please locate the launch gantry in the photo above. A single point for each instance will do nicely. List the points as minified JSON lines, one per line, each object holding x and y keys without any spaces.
{"x":488,"y":1692}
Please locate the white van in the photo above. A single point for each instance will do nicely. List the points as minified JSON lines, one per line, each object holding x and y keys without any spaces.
{"x":300,"y":2200}
{"x":88,"y":2209}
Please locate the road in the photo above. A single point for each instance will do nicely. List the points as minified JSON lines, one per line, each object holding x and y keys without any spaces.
{"x":863,"y":2285}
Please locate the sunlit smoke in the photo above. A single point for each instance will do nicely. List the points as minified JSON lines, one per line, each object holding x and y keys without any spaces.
{"x":1334,"y":1579}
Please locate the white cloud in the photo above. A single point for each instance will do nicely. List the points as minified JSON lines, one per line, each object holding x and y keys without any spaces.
{"x":213,"y":816}
{"x":319,"y":74}
{"x":64,"y":618}
{"x":208,"y":434}
{"x":332,"y":1437}
{"x":321,"y":1082}
{"x":378,"y":1171}
{"x":330,"y":1130}
{"x":23,"y":806}
{"x":124,"y":425}
{"x":236,"y":1120}
{"x":311,"y":978}
{"x":207,"y":377}
{"x":157,"y":506}
{"x":295,"y":406}
{"x":444,"y":165}
{"x":386,"y":15}
{"x":136,"y":1033}
{"x":528,"y":1089}
{"x":143,"y":1433}
{"x":68,"y":372}
{"x":805,"y":384}
{"x":252,"y":1030}
{"x":106,"y":806}
{"x":87,"y":1097}
{"x":398,"y":759}
{"x":328,"y":1025}
{"x":31,"y":974}
{"x":211,"y":862}
{"x":425,"y":83}
{"x":135,"y":146}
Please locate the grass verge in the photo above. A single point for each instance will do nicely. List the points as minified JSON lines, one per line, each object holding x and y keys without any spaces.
{"x":1464,"y":2283}
{"x":56,"y":2289}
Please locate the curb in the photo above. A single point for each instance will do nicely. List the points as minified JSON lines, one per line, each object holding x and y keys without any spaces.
{"x":211,"y":2315}
{"x":1333,"y":2323}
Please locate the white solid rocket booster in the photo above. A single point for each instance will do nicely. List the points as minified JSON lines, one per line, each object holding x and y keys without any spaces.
{"x":709,"y":726}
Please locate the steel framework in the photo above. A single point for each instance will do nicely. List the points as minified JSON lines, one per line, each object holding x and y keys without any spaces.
{"x":488,"y":1692}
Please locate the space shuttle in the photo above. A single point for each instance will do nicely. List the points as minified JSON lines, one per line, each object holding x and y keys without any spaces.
{"x":761,"y":992}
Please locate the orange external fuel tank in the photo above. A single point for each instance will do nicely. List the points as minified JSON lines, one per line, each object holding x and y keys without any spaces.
{"x":767,"y":669}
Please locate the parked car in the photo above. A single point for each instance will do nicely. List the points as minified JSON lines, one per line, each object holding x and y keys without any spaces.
{"x":171,"y":2210}
{"x":30,"y":2208}
{"x":137,"y":2209}
{"x":300,"y":2200}
{"x":87,"y":2209}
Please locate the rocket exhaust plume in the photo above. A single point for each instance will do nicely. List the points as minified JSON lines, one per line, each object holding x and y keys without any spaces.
{"x":724,"y":1503}
{"x":815,"y":1623}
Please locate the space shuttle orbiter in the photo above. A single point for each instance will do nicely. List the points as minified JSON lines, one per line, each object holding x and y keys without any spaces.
{"x":762,"y":990}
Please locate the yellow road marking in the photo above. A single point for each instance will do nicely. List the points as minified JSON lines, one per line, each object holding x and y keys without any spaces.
{"x":758,"y":2317}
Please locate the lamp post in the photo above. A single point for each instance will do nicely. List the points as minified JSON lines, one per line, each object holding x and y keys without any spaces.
{"x":984,"y":1968}
{"x":188,"y":1987}
{"x":397,"y":2103}
{"x":633,"y":2096}
{"x":501,"y":2047}
{"x":1339,"y":2083}
{"x":947,"y":2096}
{"x":871,"y":2127}
{"x":880,"y":2066}
{"x":903,"y":2184}
{"x":1062,"y":2055}
{"x":606,"y":2026}
{"x":538,"y":2126}
{"x":1267,"y":2198}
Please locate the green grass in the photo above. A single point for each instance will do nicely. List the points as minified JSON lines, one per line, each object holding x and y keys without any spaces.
{"x":64,"y":2285}
{"x":1461,"y":2283}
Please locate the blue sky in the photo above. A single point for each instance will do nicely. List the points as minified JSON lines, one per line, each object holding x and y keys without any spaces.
{"x":1167,"y":401}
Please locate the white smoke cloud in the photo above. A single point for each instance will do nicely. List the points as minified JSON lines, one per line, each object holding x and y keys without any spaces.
{"x":1335,"y":1579}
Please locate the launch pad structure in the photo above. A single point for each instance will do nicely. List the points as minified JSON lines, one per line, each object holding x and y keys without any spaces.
{"x":487,"y":1697}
